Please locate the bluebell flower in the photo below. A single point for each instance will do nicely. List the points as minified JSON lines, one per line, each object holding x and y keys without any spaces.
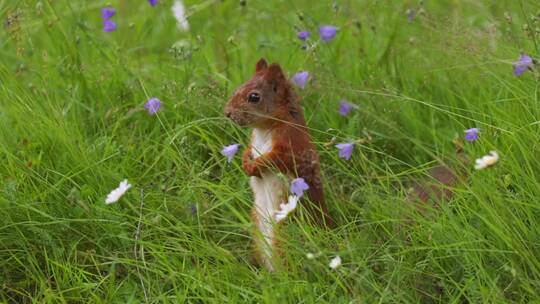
{"x":327,"y":32}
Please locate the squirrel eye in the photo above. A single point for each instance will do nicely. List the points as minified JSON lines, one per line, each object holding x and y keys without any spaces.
{"x":254,"y":97}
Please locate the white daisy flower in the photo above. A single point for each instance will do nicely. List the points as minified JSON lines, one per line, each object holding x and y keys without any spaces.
{"x":117,"y":193}
{"x":335,"y":262}
{"x":285,"y":209}
{"x":179,"y":12}
{"x":487,"y":161}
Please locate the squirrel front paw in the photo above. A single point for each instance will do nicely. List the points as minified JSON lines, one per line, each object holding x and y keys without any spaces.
{"x":251,"y":169}
{"x":250,"y":165}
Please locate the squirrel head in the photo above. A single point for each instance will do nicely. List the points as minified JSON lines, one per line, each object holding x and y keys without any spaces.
{"x":264,"y":99}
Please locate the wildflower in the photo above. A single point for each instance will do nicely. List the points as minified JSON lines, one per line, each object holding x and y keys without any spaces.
{"x":109,"y":26}
{"x":346,"y":107}
{"x":153,"y":2}
{"x":179,"y":12}
{"x":335,"y":262}
{"x":345,"y":150}
{"x":153,"y":105}
{"x":487,"y":161}
{"x":107,"y":13}
{"x":298,"y":186}
{"x":327,"y":32}
{"x":117,"y":193}
{"x":193,"y":208}
{"x":230,"y":151}
{"x":471,"y":134}
{"x":287,"y":208}
{"x":303,"y":35}
{"x":301,"y":79}
{"x":524,"y":63}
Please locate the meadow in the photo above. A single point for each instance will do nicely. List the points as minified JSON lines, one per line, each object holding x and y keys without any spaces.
{"x":73,"y":124}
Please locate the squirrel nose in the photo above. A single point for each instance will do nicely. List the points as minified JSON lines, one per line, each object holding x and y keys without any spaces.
{"x":228,"y":114}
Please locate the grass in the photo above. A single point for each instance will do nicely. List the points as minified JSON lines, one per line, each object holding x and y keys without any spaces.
{"x":73,"y":126}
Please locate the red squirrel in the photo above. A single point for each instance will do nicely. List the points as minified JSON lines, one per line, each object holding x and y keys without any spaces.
{"x":280,"y":143}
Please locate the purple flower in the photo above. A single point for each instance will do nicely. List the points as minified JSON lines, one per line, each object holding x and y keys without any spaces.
{"x":523,"y":64}
{"x":109,"y":26}
{"x":298,"y":186}
{"x":230,"y":151}
{"x":346,"y":107}
{"x":471,"y":134}
{"x":327,"y":32}
{"x":193,"y":208}
{"x":345,"y":150}
{"x":108,"y":12}
{"x":300,"y":79}
{"x":153,"y":105}
{"x":153,"y":2}
{"x":303,"y":35}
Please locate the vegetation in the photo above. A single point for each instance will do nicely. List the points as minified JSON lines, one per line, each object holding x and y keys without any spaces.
{"x":73,"y":125}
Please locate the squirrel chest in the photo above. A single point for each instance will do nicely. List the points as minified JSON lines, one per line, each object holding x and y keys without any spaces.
{"x":268,"y":191}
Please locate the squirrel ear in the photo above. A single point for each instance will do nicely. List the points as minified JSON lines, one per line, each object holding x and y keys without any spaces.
{"x":275,"y":74}
{"x":261,"y":65}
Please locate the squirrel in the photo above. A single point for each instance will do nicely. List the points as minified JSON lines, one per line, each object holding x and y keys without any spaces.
{"x":280,"y":145}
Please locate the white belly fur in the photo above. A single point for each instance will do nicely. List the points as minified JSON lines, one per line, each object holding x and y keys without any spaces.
{"x":268,"y":191}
